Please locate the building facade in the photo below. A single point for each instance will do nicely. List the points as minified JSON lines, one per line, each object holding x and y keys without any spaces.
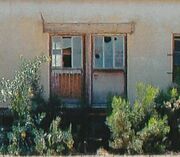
{"x":98,"y":47}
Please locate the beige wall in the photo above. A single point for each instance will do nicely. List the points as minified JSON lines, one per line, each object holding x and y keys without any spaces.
{"x":155,"y":21}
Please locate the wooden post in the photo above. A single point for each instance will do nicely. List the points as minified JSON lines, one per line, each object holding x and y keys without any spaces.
{"x":88,"y":82}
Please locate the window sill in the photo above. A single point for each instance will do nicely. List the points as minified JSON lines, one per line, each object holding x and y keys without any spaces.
{"x":109,"y":70}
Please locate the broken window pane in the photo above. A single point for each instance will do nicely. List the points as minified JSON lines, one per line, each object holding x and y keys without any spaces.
{"x":77,"y":52}
{"x":108,"y":52}
{"x":67,"y":51}
{"x":67,"y":57}
{"x":67,"y":61}
{"x":119,"y":51}
{"x":98,"y":52}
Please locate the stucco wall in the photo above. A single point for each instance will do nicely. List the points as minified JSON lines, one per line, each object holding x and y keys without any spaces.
{"x":147,"y":48}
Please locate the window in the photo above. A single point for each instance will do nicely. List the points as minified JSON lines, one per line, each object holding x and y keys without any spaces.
{"x":176,"y":60}
{"x":67,"y":51}
{"x":109,"y":52}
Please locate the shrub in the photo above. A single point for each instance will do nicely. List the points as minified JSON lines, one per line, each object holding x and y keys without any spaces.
{"x":171,"y":107}
{"x":55,"y":141}
{"x":119,"y":124}
{"x":26,"y":135}
{"x":138,"y":128}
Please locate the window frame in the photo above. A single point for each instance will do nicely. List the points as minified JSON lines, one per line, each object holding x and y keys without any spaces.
{"x":114,"y":68}
{"x":72,"y":54}
{"x":174,"y":35}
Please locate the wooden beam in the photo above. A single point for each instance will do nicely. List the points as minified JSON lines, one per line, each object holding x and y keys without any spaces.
{"x":88,"y":81}
{"x":95,"y":28}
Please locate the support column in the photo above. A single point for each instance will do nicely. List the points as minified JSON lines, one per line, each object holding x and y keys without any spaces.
{"x":88,"y":63}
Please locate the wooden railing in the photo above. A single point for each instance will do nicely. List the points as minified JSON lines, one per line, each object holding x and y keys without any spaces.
{"x":67,"y":83}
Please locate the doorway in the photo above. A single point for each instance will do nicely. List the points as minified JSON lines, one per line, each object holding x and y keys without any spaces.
{"x":109,"y":68}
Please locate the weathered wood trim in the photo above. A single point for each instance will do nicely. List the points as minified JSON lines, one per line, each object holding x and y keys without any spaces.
{"x":92,"y":28}
{"x":50,"y":65}
{"x":68,"y":71}
{"x":108,"y":70}
{"x":88,"y":68}
{"x":42,"y":19}
{"x":169,"y":72}
{"x":169,"y":54}
{"x":126,"y":66}
{"x":84,"y":70}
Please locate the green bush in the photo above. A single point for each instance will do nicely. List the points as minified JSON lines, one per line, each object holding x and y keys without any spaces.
{"x":55,"y":141}
{"x":26,"y":135}
{"x":170,"y":106}
{"x":138,"y":128}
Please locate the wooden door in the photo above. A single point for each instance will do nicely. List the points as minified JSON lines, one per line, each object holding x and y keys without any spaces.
{"x":108,"y":76}
{"x":67,"y":73}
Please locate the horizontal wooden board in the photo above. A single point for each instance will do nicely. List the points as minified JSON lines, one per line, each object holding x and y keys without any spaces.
{"x":95,"y":28}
